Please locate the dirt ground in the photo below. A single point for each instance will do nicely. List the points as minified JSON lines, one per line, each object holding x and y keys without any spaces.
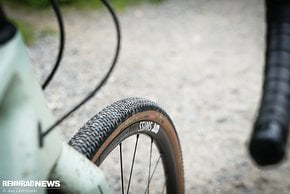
{"x":202,"y":61}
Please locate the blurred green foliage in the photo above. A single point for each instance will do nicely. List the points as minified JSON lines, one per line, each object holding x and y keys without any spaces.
{"x":29,"y":33}
{"x":79,"y":3}
{"x":26,"y":31}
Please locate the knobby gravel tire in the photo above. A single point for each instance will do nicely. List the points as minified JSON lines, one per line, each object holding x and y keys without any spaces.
{"x":102,"y":133}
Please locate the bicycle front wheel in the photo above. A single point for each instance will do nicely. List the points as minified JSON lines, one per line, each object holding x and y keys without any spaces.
{"x":136,"y":145}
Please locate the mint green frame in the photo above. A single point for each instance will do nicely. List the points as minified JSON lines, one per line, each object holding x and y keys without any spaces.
{"x":22,"y":107}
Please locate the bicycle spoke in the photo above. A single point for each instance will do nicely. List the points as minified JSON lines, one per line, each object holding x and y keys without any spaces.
{"x":132,"y":165}
{"x":149,"y":170}
{"x":121,"y":163}
{"x":155,"y":167}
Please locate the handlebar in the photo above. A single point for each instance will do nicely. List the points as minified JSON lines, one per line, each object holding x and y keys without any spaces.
{"x":269,"y":138}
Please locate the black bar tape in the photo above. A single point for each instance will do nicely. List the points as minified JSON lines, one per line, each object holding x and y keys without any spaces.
{"x":269,"y":138}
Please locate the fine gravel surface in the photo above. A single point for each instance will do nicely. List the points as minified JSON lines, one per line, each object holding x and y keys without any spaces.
{"x":202,"y":61}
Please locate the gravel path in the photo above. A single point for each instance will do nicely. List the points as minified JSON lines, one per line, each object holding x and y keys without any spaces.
{"x":200,"y":60}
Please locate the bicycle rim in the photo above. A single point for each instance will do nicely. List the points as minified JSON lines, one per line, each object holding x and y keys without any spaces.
{"x":136,"y":146}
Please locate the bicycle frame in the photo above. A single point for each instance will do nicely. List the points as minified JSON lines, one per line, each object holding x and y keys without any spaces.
{"x":23,"y":110}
